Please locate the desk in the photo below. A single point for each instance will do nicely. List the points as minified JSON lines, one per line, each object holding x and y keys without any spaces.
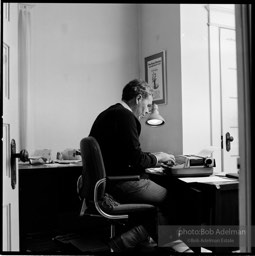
{"x":218,"y":201}
{"x":47,"y":196}
{"x":203,"y":203}
{"x":218,"y":207}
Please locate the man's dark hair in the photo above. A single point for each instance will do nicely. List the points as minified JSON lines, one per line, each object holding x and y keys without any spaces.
{"x":134,"y":88}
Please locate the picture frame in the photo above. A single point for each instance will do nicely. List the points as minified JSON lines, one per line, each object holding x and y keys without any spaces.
{"x":155,"y":76}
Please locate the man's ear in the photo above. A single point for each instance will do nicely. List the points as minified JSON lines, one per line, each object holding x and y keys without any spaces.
{"x":138,"y":98}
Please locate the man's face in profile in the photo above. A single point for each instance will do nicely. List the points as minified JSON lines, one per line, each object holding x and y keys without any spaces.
{"x":144,"y":107}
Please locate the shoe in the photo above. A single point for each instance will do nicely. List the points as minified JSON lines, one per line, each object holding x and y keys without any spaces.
{"x":129,"y":240}
{"x":179,"y":246}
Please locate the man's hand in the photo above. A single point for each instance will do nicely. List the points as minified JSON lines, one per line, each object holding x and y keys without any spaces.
{"x":164,"y":158}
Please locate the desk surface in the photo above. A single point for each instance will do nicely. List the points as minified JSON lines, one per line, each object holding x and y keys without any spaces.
{"x":210,"y":180}
{"x":216,"y":179}
{"x":27,"y":166}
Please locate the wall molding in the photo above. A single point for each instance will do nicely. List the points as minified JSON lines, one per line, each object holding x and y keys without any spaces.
{"x":219,"y":8}
{"x":25,"y":6}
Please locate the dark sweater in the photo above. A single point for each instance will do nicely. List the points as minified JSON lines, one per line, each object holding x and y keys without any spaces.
{"x":117,"y":132}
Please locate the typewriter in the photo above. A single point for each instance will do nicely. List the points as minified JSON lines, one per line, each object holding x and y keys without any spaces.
{"x":190,"y":166}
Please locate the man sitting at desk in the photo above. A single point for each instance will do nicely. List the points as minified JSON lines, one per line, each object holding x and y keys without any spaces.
{"x":117,"y":131}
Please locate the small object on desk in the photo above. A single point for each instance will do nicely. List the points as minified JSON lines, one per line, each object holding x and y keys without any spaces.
{"x":59,"y":156}
{"x":36,"y":161}
{"x":67,"y":161}
{"x":39,"y":160}
{"x":42,"y":153}
{"x":232,"y":175}
{"x":70,"y":154}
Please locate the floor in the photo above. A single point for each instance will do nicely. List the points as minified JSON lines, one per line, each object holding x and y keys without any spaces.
{"x":86,"y":237}
{"x":88,"y":242}
{"x":65,"y":243}
{"x":74,"y":237}
{"x":91,"y":242}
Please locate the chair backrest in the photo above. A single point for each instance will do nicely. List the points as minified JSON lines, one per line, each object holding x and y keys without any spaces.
{"x":93,"y":168}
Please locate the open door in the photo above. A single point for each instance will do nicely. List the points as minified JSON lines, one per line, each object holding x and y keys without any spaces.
{"x":10,"y":206}
{"x":229,"y":107}
{"x":223,"y":79}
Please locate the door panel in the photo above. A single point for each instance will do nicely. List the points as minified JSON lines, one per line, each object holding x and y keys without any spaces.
{"x":6,"y":227}
{"x":10,"y":207}
{"x":6,"y":180}
{"x":229,"y":97}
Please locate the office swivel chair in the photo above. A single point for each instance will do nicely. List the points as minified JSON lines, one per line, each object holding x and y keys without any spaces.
{"x":92,"y":184}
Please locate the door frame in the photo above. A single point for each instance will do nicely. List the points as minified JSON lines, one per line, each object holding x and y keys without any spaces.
{"x":246,"y":121}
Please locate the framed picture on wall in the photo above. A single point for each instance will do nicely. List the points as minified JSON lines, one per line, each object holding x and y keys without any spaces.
{"x":155,"y":75}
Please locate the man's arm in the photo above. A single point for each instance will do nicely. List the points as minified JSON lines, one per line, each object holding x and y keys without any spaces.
{"x":129,"y":127}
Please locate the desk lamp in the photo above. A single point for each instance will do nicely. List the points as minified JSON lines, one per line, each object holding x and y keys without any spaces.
{"x":155,"y":119}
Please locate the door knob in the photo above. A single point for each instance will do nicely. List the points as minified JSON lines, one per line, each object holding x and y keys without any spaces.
{"x":229,"y":139}
{"x":23,"y":156}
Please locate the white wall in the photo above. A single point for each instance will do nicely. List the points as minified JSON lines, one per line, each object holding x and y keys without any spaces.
{"x":160,"y":30}
{"x":82,"y":56}
{"x":195,"y":78}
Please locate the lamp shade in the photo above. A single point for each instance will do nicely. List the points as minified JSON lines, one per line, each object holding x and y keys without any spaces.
{"x":155,"y":119}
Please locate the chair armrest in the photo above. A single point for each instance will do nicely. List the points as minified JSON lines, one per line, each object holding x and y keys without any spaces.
{"x":99,"y":182}
{"x":123,"y":178}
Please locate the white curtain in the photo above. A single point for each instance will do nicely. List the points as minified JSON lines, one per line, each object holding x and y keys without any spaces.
{"x":24,"y":37}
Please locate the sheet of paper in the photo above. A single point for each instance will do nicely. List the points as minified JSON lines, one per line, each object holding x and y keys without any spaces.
{"x":206,"y":179}
{"x":206,"y":152}
{"x":155,"y":170}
